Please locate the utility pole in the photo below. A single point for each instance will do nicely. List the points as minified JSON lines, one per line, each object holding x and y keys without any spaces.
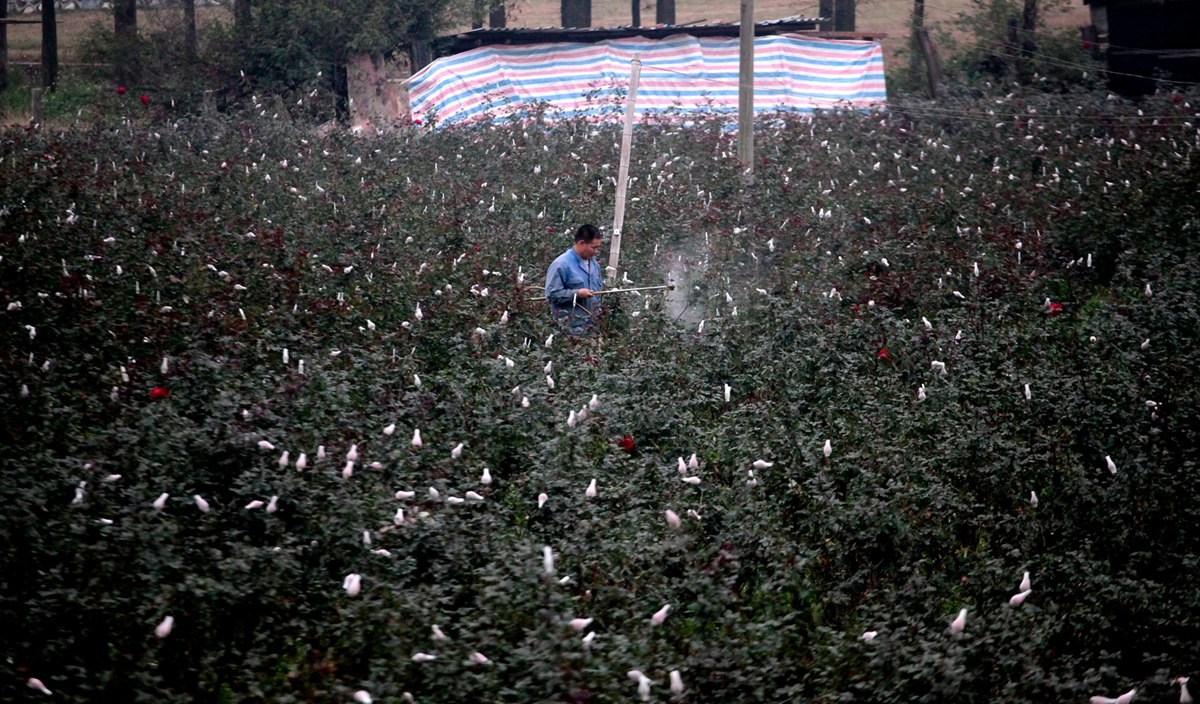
{"x":746,"y":90}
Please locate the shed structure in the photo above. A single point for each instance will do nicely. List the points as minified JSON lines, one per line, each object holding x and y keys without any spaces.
{"x":1148,"y":40}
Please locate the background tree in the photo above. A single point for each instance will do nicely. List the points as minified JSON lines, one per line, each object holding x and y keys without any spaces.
{"x":291,"y":43}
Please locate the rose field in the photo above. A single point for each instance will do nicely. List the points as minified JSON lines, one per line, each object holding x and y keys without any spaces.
{"x":280,"y":422}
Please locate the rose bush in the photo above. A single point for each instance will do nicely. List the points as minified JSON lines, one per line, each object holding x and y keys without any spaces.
{"x":974,"y":304}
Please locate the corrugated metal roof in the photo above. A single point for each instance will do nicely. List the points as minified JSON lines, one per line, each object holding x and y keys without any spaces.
{"x":795,"y":19}
{"x":484,"y":36}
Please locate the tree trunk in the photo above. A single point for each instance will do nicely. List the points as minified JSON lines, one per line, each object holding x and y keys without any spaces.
{"x":340,"y":78}
{"x":125,"y":27}
{"x":3,"y":45}
{"x":497,"y":16}
{"x":924,"y":47}
{"x":825,"y":10}
{"x":635,"y":12}
{"x":190,"y":44}
{"x":576,"y":13}
{"x":843,"y":15}
{"x":664,"y":12}
{"x":933,"y":65}
{"x":241,"y":17}
{"x":1029,"y":28}
{"x":49,"y":46}
{"x":420,"y":54}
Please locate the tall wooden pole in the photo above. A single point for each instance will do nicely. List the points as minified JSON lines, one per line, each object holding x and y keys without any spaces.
{"x":746,"y":90}
{"x":614,"y":252}
{"x":635,"y":9}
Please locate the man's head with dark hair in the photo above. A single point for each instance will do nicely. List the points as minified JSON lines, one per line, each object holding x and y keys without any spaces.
{"x":588,"y":241}
{"x":587,"y":233}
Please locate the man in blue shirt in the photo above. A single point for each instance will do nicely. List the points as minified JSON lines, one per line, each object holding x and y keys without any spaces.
{"x":573,"y":280}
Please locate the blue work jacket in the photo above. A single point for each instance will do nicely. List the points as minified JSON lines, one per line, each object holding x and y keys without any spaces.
{"x":566,"y":275}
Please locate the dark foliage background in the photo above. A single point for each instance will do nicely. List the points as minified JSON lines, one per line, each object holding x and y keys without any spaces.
{"x":222,"y":244}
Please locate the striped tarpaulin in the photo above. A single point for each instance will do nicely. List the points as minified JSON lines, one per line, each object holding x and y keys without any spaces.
{"x":679,"y":73}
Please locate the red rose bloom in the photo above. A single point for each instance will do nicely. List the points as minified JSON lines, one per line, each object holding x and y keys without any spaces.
{"x":120,"y":90}
{"x":146,"y":100}
{"x":626,"y":443}
{"x":883,"y":354}
{"x":1055,"y":308}
{"x":158,"y":393}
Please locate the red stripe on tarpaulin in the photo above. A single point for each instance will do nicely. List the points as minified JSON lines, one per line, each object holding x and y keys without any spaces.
{"x":794,"y":72}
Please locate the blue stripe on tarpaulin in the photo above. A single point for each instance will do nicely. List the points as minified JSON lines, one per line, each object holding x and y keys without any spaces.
{"x":680,"y":74}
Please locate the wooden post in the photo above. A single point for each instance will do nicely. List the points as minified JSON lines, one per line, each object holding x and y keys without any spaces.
{"x":746,"y":90}
{"x":49,"y":46}
{"x":35,"y":108}
{"x":635,"y":12}
{"x":477,"y":14}
{"x":210,"y":102}
{"x":614,"y":252}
